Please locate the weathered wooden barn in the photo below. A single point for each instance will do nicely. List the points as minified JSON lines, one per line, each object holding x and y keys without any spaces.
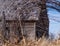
{"x":23,"y":18}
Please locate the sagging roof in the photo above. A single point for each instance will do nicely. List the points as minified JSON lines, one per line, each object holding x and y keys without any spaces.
{"x":20,"y":9}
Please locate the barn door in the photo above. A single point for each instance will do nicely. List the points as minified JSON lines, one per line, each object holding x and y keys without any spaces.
{"x":13,"y":31}
{"x":29,"y":30}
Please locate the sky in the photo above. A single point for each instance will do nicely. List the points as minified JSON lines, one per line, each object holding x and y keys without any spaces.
{"x":54,"y":21}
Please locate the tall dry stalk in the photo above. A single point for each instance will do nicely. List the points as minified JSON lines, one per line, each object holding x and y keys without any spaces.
{"x":40,"y":42}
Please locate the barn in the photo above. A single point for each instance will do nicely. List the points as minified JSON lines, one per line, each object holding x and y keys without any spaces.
{"x":23,"y":18}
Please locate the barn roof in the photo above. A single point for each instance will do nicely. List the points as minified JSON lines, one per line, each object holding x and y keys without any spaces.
{"x":24,"y":10}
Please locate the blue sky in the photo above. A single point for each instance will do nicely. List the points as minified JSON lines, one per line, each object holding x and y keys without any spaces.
{"x":54,"y":16}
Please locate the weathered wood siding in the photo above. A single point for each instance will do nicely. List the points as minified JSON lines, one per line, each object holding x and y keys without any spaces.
{"x":29,"y":30}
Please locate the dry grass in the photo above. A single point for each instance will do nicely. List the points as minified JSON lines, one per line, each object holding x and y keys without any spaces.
{"x":40,"y":42}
